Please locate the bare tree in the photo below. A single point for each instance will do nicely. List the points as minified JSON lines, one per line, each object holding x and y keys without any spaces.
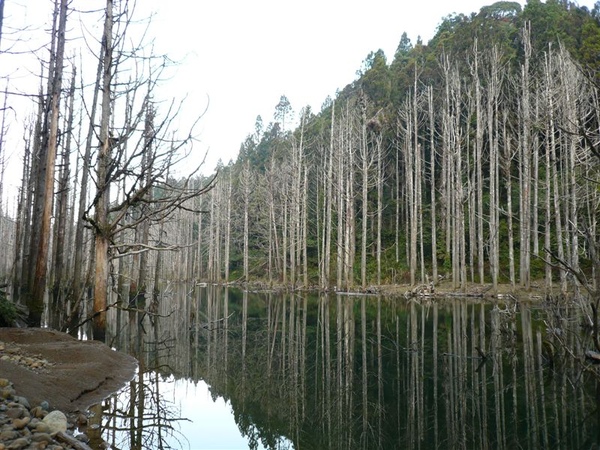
{"x":45,"y":196}
{"x":145,"y":170}
{"x":367,"y":159}
{"x":525,"y":165}
{"x":433,"y":192}
{"x":479,"y":129}
{"x":493,"y":99}
{"x":1,"y":18}
{"x":328,"y":208}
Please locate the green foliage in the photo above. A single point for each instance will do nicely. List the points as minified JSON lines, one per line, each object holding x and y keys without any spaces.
{"x":375,"y":81}
{"x":561,"y":22}
{"x":548,"y":22}
{"x":501,"y":10}
{"x":590,"y":46}
{"x":8,"y":311}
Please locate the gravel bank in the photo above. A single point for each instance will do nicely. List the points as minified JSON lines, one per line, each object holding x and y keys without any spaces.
{"x":35,"y":428}
{"x":48,"y":382}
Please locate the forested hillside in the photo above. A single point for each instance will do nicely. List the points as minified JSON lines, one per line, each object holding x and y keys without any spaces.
{"x":472,"y":158}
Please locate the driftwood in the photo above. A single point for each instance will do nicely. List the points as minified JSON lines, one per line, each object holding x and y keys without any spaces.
{"x":70,"y":440}
{"x":593,"y":356}
{"x":415,"y":293}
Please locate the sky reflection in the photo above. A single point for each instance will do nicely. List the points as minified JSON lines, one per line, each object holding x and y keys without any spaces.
{"x":206,"y":424}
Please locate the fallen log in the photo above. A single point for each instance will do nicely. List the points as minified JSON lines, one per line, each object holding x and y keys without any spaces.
{"x":76,"y":444}
{"x":593,"y":356}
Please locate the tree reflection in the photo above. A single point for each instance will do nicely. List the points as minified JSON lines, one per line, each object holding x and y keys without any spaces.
{"x":365,"y":372}
{"x":141,"y":416}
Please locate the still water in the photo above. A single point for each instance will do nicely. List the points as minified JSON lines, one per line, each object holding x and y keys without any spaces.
{"x":226,"y":369}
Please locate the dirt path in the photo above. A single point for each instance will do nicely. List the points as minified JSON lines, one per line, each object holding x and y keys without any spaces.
{"x":70,"y":375}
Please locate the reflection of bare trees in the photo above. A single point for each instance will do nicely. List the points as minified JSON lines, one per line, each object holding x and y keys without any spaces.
{"x":141,"y":416}
{"x":361,"y":372}
{"x":338,"y":372}
{"x":144,"y":415}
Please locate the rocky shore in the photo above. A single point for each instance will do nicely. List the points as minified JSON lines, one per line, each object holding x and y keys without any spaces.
{"x":35,"y":428}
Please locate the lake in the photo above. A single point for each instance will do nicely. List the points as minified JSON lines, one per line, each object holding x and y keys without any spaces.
{"x":222,"y":368}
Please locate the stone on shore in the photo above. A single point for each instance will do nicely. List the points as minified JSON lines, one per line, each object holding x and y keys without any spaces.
{"x":21,"y":429}
{"x":56,"y":421}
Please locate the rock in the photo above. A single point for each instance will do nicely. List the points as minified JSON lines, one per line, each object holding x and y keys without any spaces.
{"x":41,"y":437}
{"x":42,"y":428}
{"x":82,"y":420}
{"x":38,"y":412}
{"x":32,"y":425}
{"x":19,"y":424}
{"x":7,"y":393}
{"x":37,"y":446}
{"x":44,"y":405}
{"x":8,"y":435}
{"x":22,"y":401}
{"x":15,"y":412}
{"x":57,"y":421}
{"x":82,"y":437}
{"x":4,"y":382}
{"x":18,"y":444}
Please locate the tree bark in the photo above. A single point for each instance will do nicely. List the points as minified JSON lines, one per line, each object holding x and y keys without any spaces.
{"x":525,"y":167}
{"x":101,"y":220}
{"x":492,"y":129}
{"x":79,"y":274}
{"x":36,"y":305}
{"x":433,"y":193}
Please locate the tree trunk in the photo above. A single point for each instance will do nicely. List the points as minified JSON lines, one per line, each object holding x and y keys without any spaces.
{"x":101,"y":219}
{"x":78,"y":259}
{"x":379,"y":144}
{"x":341,"y":178}
{"x":366,"y":163}
{"x":36,"y":305}
{"x":246,"y":188}
{"x":228,"y":229}
{"x":326,"y":272}
{"x":60,"y":249}
{"x":525,"y":167}
{"x":432,"y":150}
{"x":479,"y":164}
{"x":492,"y":128}
{"x":508,"y":156}
{"x":1,"y":19}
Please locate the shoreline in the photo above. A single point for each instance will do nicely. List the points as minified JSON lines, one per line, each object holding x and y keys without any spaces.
{"x":44,"y":371}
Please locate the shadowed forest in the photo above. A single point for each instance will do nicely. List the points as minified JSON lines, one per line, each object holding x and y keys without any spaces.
{"x":469,"y":159}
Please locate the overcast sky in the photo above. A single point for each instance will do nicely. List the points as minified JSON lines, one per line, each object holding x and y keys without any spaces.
{"x":244,"y":55}
{"x":240,"y":56}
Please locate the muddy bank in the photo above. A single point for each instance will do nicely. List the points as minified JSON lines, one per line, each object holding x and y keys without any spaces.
{"x":71,"y":375}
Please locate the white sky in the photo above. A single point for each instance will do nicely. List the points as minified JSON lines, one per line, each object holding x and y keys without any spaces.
{"x":243,"y":55}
